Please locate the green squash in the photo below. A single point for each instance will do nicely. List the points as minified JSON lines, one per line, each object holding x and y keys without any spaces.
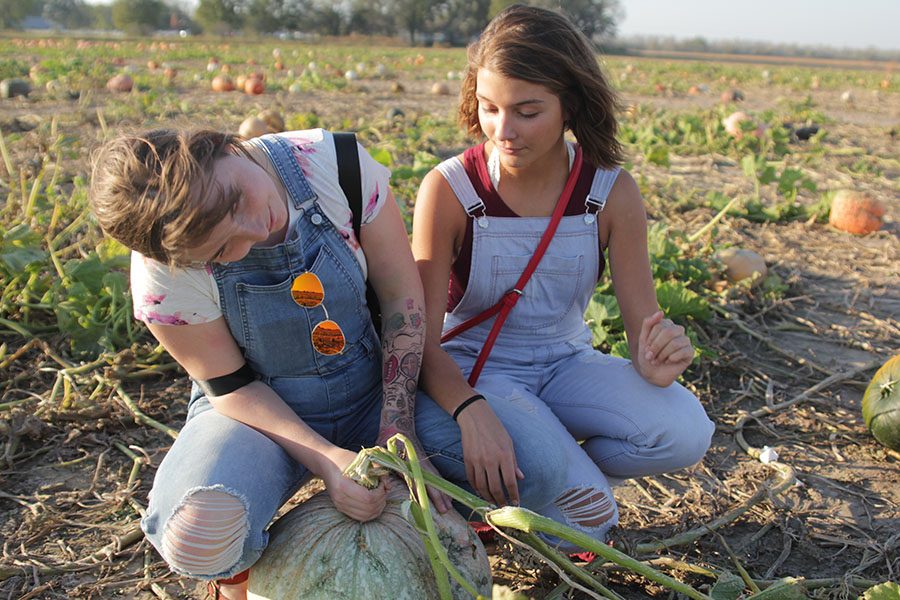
{"x":317,"y":553}
{"x":10,"y":88}
{"x":881,"y":404}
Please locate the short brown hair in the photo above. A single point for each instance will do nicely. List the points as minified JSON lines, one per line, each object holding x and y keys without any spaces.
{"x":543,"y":47}
{"x":155,"y":193}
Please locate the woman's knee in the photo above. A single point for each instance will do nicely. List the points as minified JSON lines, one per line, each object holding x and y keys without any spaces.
{"x":542,"y":460}
{"x":206,"y":534}
{"x":689,"y":433}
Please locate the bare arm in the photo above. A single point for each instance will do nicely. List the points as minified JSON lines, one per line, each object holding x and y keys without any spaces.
{"x":438,"y":229}
{"x":396,"y":282}
{"x":439,"y":225}
{"x":208,"y":350}
{"x":398,"y":287}
{"x":659,"y":349}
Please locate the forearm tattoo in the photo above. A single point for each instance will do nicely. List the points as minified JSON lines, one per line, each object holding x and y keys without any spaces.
{"x":403,"y":338}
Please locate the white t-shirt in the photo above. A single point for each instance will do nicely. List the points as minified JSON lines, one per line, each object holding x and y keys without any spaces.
{"x":188,"y":296}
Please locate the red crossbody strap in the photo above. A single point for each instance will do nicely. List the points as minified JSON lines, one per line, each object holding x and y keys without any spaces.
{"x":509,"y":299}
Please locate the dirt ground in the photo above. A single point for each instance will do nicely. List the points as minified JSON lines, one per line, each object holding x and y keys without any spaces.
{"x":69,"y":508}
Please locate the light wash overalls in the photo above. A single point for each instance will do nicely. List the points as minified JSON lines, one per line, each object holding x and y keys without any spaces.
{"x":546,"y":382}
{"x":338,"y":396}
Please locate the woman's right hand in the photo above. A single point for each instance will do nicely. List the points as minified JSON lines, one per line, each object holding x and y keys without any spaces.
{"x":349,"y":497}
{"x":489,"y":455}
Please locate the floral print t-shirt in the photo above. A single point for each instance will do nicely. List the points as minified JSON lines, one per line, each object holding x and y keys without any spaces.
{"x":189,"y":296}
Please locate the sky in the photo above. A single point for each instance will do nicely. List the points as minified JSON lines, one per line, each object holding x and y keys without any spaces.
{"x":835,"y":23}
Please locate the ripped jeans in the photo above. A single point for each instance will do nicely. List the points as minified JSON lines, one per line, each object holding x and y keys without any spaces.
{"x":576,"y":417}
{"x":222,"y":482}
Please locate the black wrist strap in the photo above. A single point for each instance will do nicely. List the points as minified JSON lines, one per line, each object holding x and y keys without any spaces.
{"x":466,"y":403}
{"x":219,"y":386}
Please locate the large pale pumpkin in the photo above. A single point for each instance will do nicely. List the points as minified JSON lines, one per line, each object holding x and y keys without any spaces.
{"x":317,"y":553}
{"x":881,"y":404}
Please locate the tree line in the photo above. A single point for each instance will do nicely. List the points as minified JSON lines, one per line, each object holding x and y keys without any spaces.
{"x":453,"y":22}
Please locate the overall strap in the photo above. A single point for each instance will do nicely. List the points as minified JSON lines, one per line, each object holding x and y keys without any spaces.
{"x":281,"y":155}
{"x":600,"y":187}
{"x":350,"y":181}
{"x":510,"y":298}
{"x":454,"y":172}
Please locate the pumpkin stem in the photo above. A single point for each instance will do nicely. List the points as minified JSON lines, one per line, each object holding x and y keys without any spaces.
{"x":364,"y":470}
{"x":430,"y":536}
{"x":528,"y":521}
{"x":509,"y":516}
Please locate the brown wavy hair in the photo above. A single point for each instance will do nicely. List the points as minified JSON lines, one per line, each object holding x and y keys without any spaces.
{"x":543,"y":47}
{"x":154,"y":192}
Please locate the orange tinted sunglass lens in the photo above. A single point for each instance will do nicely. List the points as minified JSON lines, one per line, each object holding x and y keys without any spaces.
{"x":327,"y":338}
{"x":307,"y":290}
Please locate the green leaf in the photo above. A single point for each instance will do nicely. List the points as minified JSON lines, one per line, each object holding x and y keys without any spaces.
{"x":748,"y":164}
{"x":401,"y":172}
{"x":678,"y":301}
{"x":767,"y":175}
{"x":20,"y":247}
{"x":620,"y":348}
{"x":788,"y":588}
{"x":113,"y":254}
{"x":883,"y":591}
{"x":425,"y":161}
{"x":658,"y":155}
{"x":728,"y":587}
{"x":382,"y":156}
{"x":89,"y":271}
{"x":787,"y":183}
{"x":602,"y":311}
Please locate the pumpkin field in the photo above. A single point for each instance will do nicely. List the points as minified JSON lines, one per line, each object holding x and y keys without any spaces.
{"x":773,"y":194}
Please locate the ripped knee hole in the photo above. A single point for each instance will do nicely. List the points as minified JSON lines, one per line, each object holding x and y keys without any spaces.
{"x":585,"y":506}
{"x":206,"y":533}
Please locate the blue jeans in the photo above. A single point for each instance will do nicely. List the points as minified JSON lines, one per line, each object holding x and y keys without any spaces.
{"x":215,"y":452}
{"x":575,"y":416}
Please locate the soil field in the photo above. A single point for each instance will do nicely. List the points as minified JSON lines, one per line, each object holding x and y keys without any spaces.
{"x":89,"y":404}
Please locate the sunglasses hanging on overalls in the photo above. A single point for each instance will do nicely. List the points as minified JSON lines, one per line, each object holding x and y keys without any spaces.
{"x":308,"y":292}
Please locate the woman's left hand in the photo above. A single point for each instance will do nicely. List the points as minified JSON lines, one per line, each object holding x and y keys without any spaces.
{"x":664,"y":351}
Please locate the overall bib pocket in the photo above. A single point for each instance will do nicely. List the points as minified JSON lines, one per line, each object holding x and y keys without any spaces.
{"x":268,"y":312}
{"x":549,"y":294}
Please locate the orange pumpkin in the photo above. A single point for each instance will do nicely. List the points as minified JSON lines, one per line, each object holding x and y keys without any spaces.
{"x":222,"y":83}
{"x":120,"y":83}
{"x":254,"y":86}
{"x":856,"y":212}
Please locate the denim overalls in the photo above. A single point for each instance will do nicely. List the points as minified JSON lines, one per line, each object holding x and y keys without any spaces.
{"x":338,"y":396}
{"x":545,"y":381}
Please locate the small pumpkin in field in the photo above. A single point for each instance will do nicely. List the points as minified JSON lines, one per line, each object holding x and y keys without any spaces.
{"x":252,"y":127}
{"x":222,"y":83}
{"x":742,"y":264}
{"x":318,"y":553}
{"x":881,"y":404}
{"x":120,"y":83}
{"x":254,"y":86}
{"x":856,"y":212}
{"x":273,"y":120}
